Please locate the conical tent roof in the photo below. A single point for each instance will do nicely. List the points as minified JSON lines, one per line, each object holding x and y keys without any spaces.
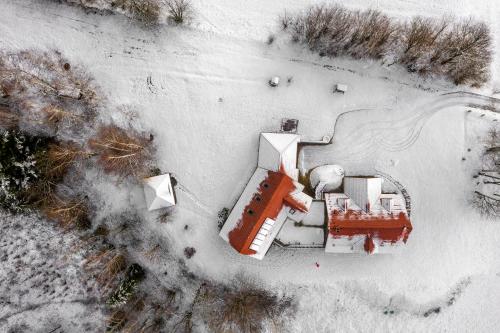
{"x":159,"y":192}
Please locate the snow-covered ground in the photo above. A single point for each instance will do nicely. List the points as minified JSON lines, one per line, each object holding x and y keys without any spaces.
{"x":42,"y":286}
{"x":203,"y":92}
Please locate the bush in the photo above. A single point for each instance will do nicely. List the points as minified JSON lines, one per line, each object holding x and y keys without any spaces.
{"x":222,"y":217}
{"x":45,"y":93}
{"x":180,"y":11}
{"x":68,"y":212}
{"x":120,"y":152}
{"x":19,"y":170}
{"x":145,"y":11}
{"x":53,"y":164}
{"x":127,"y":287}
{"x":242,"y":307}
{"x":459,"y":51}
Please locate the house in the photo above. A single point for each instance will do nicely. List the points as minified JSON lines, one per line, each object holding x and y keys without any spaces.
{"x":158,"y":192}
{"x":274,"y":206}
{"x":363,"y":219}
{"x":272,"y":196}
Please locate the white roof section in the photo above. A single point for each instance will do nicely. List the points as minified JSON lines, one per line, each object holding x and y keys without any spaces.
{"x":159,"y":192}
{"x":277,"y":150}
{"x":364,"y":191}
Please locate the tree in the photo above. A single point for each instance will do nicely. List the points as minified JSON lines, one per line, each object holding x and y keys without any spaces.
{"x":241,"y":306}
{"x":121,"y":152}
{"x":486,"y":197}
{"x":19,"y":170}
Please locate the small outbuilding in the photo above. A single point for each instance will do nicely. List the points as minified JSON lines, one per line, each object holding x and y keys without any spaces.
{"x":159,"y":192}
{"x":340,"y":88}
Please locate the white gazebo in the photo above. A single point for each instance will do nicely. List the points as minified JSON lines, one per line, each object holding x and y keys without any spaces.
{"x":158,"y":192}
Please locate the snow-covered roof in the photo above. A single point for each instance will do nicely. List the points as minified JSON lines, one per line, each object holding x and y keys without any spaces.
{"x":363,"y":219}
{"x":266,"y":202}
{"x":158,"y":192}
{"x":278,"y":152}
{"x":364,"y":191}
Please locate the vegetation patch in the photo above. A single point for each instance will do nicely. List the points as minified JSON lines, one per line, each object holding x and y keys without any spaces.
{"x":242,"y":306}
{"x":19,"y":167}
{"x":458,"y":50}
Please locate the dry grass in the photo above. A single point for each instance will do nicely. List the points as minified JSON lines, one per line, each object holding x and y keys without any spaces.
{"x":107,"y":264}
{"x":8,"y":119}
{"x":116,"y":321}
{"x":121,"y":152}
{"x":153,"y":254}
{"x":55,"y":115}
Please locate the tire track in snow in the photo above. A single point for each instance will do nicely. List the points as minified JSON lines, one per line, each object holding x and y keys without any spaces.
{"x":370,"y":137}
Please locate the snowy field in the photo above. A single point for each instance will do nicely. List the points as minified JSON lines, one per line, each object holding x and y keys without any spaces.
{"x":202,"y":90}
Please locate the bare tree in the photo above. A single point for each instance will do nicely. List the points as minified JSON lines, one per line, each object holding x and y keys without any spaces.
{"x":464,"y":54}
{"x":61,"y":156}
{"x":241,"y":307}
{"x":486,"y":198}
{"x":68,"y":212}
{"x":419,"y":37}
{"x":180,"y":11}
{"x":460,"y":51}
{"x":124,"y":153}
{"x":43,"y":89}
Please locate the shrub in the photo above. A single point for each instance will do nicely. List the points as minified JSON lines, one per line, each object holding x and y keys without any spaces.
{"x":19,"y":170}
{"x":222,"y":217}
{"x":127,"y":287}
{"x":145,"y":11}
{"x":61,"y":156}
{"x":68,"y":212}
{"x":189,"y":252}
{"x":242,"y":307}
{"x":45,"y":92}
{"x":459,"y":51}
{"x":180,"y":11}
{"x":485,"y":198}
{"x":53,"y":164}
{"x":120,"y":152}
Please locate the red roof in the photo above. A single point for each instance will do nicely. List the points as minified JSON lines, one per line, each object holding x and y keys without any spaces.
{"x":386,"y":228}
{"x":273,"y":192}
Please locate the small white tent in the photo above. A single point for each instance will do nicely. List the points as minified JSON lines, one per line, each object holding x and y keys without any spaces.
{"x":277,"y":151}
{"x":158,"y":191}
